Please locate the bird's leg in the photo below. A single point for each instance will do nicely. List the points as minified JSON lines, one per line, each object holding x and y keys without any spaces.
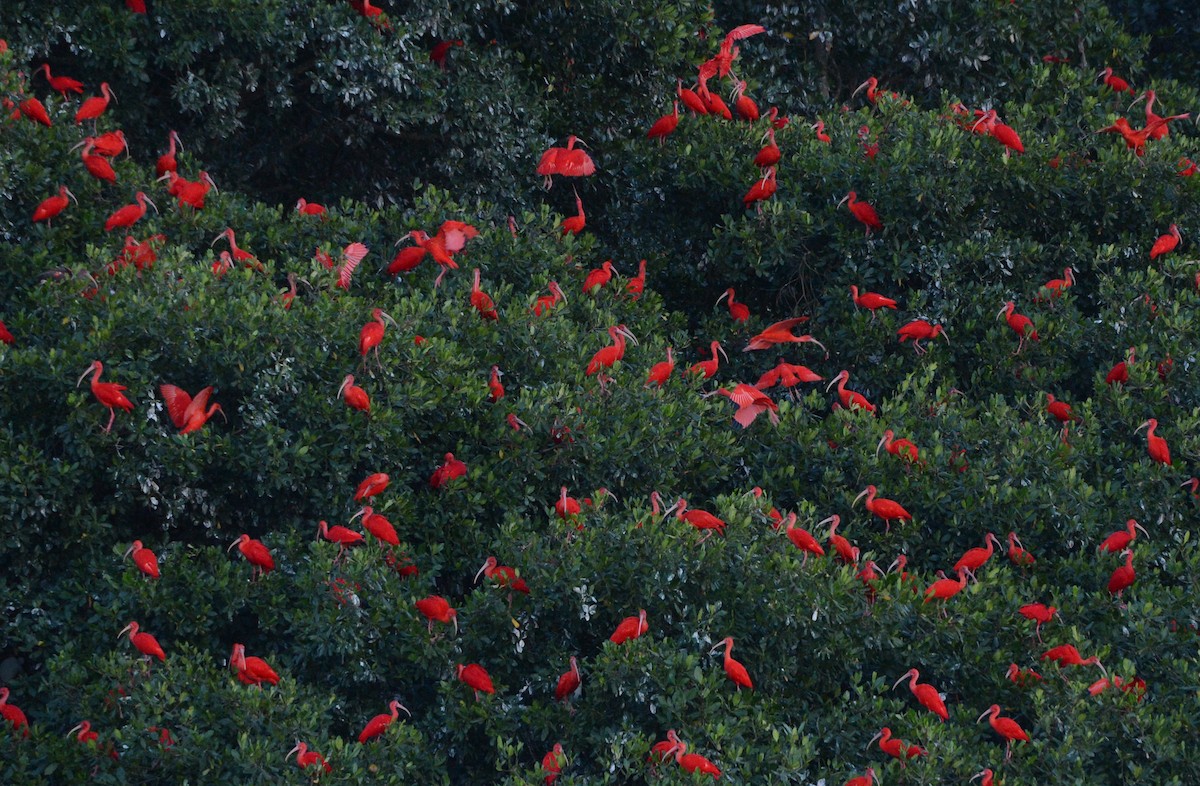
{"x":112,"y":415}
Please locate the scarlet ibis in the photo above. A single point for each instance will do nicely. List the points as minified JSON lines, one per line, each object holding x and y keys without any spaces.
{"x":1120,"y":540}
{"x":345,"y":538}
{"x":598,"y":278}
{"x":50,"y":207}
{"x":356,"y":397}
{"x":256,"y":553}
{"x":636,"y":285}
{"x":660,"y":372}
{"x":379,"y":527}
{"x":85,"y":735}
{"x":744,"y":105}
{"x":926,"y":694}
{"x":476,"y":677}
{"x":722,"y":62}
{"x":849,"y":399}
{"x":871,"y":300}
{"x":819,"y":127}
{"x":693,"y":762}
{"x":769,"y":155}
{"x":129,"y":215}
{"x":371,"y":334}
{"x":166,"y":162}
{"x":573,"y":225}
{"x":495,"y":386}
{"x":306,"y":758}
{"x":944,"y":589}
{"x":1040,"y":613}
{"x":896,"y":747}
{"x":976,"y":558}
{"x":379,"y":724}
{"x":788,"y":375}
{"x":450,"y":469}
{"x":437,"y":609}
{"x":708,"y":368}
{"x":95,"y":106}
{"x":865,"y":779}
{"x":607,"y":357}
{"x":111,"y":144}
{"x":1156,"y":446}
{"x":1067,"y":655}
{"x":1114,"y":83}
{"x":187,"y":413}
{"x":568,"y":682}
{"x":700,"y":519}
{"x":739,"y":312}
{"x":306,"y":208}
{"x":1057,"y":286}
{"x":482,"y":301}
{"x":109,"y":394}
{"x":886,"y":509}
{"x":35,"y":110}
{"x":1122,"y":578}
{"x":144,"y":642}
{"x":552,"y":763}
{"x":630,"y":628}
{"x":567,"y":161}
{"x":903,"y":448}
{"x":872,"y":88}
{"x":144,"y":558}
{"x":802,"y":539}
{"x":98,"y":166}
{"x":547,"y":302}
{"x":844,"y":549}
{"x":920,"y":330}
{"x":1155,"y":122}
{"x":751,"y":402}
{"x":13,"y":714}
{"x":1119,"y":374}
{"x":1019,"y":323}
{"x":1017,"y":553}
{"x":1007,"y":728}
{"x":1019,"y":676}
{"x":985,"y":774}
{"x":60,"y":84}
{"x":1167,"y":243}
{"x":763,"y":189}
{"x":566,"y":507}
{"x":690,"y":99}
{"x":251,"y":670}
{"x":665,"y":125}
{"x":372,"y":485}
{"x":862,"y":211}
{"x":503,"y":575}
{"x":733,"y":669}
{"x":239,"y":254}
{"x":6,"y":336}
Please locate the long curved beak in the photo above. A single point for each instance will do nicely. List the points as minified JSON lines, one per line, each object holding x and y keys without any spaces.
{"x":388,"y":317}
{"x":880,"y":734}
{"x":1002,"y":310}
{"x":80,"y":144}
{"x":895,"y":562}
{"x":124,"y":630}
{"x":722,"y":297}
{"x":625,"y":332}
{"x":401,"y":706}
{"x":151,"y":201}
{"x":129,"y":551}
{"x":1136,"y":430}
{"x":879,"y":447}
{"x":215,"y":239}
{"x":84,"y":374}
{"x":1140,"y":527}
{"x":231,"y":545}
{"x":861,"y":494}
{"x":345,"y":382}
{"x":825,"y":521}
{"x":984,"y":715}
{"x":480,"y":572}
{"x":293,"y":750}
{"x":74,"y":729}
{"x":72,"y":196}
{"x":667,"y":513}
{"x":844,"y":199}
{"x":721,"y":349}
{"x":860,"y":88}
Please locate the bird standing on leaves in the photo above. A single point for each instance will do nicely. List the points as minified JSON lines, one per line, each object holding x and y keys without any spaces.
{"x":144,"y":558}
{"x":107,"y":393}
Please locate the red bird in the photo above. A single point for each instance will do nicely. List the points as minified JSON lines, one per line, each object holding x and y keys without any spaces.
{"x":371,"y":335}
{"x":379,"y":724}
{"x":865,"y":214}
{"x":552,"y":763}
{"x":437,"y":609}
{"x":503,"y":575}
{"x":345,"y":538}
{"x":144,"y":642}
{"x":895,"y":747}
{"x":371,"y":486}
{"x":849,"y":399}
{"x":306,"y":208}
{"x":379,"y":527}
{"x":567,"y":161}
{"x":664,"y":126}
{"x":1119,"y":374}
{"x":630,"y":628}
{"x":94,"y":106}
{"x":926,"y":694}
{"x":257,"y":554}
{"x":1019,"y":323}
{"x":306,"y":758}
{"x":573,"y":225}
{"x":1156,"y":446}
{"x":734,"y":670}
{"x":846,"y":552}
{"x":1057,"y":286}
{"x":740,"y":312}
{"x":356,"y":397}
{"x":1040,"y":613}
{"x":60,"y":84}
{"x":1067,"y":655}
{"x":700,"y":519}
{"x":566,"y":507}
{"x":35,"y":110}
{"x":1021,"y":677}
{"x":482,"y":301}
{"x":495,"y":386}
{"x":1017,"y":553}
{"x":1122,"y":578}
{"x":98,"y":166}
{"x":450,"y":469}
{"x":898,"y":447}
{"x":568,"y":682}
{"x":13,"y":714}
{"x":1007,"y":728}
{"x":251,"y":670}
{"x":111,"y":144}
{"x":751,"y":402}
{"x":474,"y":675}
{"x":598,"y":278}
{"x":1120,"y":540}
{"x":708,"y":368}
{"x":944,"y":589}
{"x":109,"y":393}
{"x":129,"y":215}
{"x":662,"y":371}
{"x":921,"y":330}
{"x":547,"y":302}
{"x":636,"y":285}
{"x":866,"y":779}
{"x":763,"y":189}
{"x":744,"y":105}
{"x":166,"y":162}
{"x":871,"y":300}
{"x":144,"y":558}
{"x":1115,"y":83}
{"x":609,"y":355}
{"x":6,"y":337}
{"x":52,"y":206}
{"x":187,"y":413}
{"x":788,"y":375}
{"x":802,"y":539}
{"x":976,"y":558}
{"x":769,"y":155}
{"x":1167,"y":243}
{"x":693,"y":762}
{"x":781,"y":333}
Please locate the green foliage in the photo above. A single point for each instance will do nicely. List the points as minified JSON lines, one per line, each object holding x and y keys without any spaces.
{"x":966,"y":229}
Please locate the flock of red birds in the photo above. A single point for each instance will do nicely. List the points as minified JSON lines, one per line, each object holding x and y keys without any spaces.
{"x":190,"y":414}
